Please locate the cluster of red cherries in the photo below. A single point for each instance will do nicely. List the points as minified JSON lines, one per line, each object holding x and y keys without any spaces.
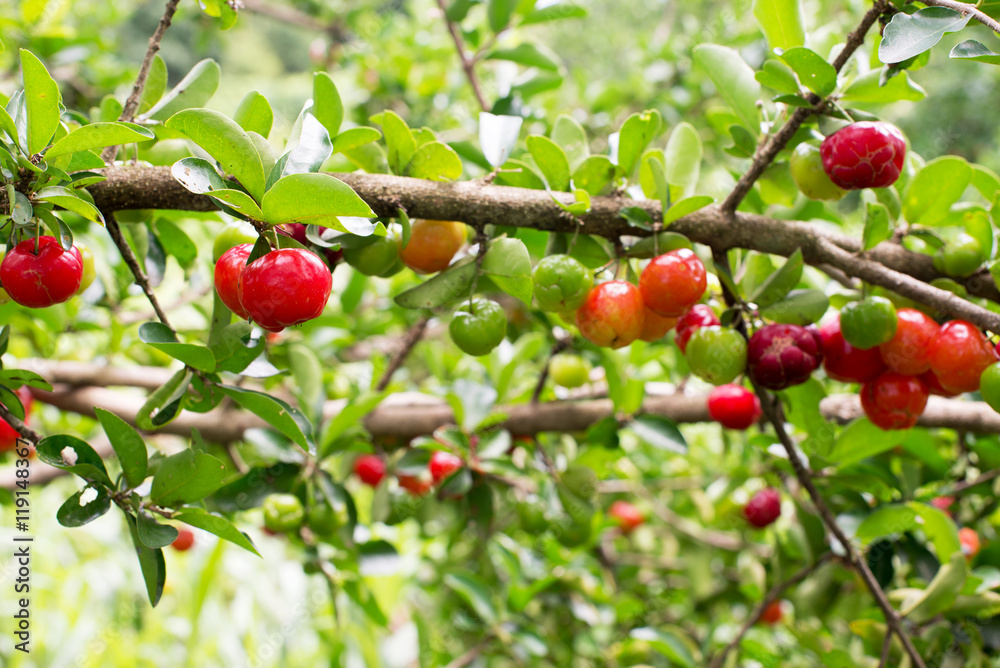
{"x":442,"y":464}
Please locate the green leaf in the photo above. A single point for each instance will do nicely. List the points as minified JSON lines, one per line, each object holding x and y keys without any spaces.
{"x":799,"y":307}
{"x":529,"y":55}
{"x":254,"y":114}
{"x":17,"y":377}
{"x":41,"y":99}
{"x":508,"y":264}
{"x":238,"y":201}
{"x":72,"y":454}
{"x":186,"y":477}
{"x":594,"y":174}
{"x":683,"y":157}
{"x":156,"y":84}
{"x":98,"y":135}
{"x":327,"y":105}
{"x":868,"y":89}
{"x":686,"y":207}
{"x":551,"y":160}
{"x":813,"y":71}
{"x":970,"y":49}
{"x":939,"y":528}
{"x":560,"y":10}
{"x":154,"y":567}
{"x":73,"y":514}
{"x":861,"y":439}
{"x":312,"y":148}
{"x":660,"y":433}
{"x":442,"y":289}
{"x":225,"y":141}
{"x":571,"y":138}
{"x":941,"y":591}
{"x":886,"y":521}
{"x":780,"y":283}
{"x":163,"y":405}
{"x":153,"y":534}
{"x":781,"y":21}
{"x":235,"y":350}
{"x":475,"y":592}
{"x":355,"y":137}
{"x":398,"y":140}
{"x":352,"y":414}
{"x":198,"y":175}
{"x":71,"y":201}
{"x":194,"y":90}
{"x":633,"y":138}
{"x":128,"y":445}
{"x":734,"y":81}
{"x":986,"y":181}
{"x":176,"y":242}
{"x":161,"y":337}
{"x":500,"y":13}
{"x":939,"y":184}
{"x":779,"y":76}
{"x":313,"y":199}
{"x":275,"y":412}
{"x":218,"y":525}
{"x":909,"y":35}
{"x":668,"y":642}
{"x":878,"y":228}
{"x":435,"y":161}
{"x":497,"y":136}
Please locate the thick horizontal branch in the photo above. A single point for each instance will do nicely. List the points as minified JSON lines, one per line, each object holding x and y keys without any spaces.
{"x":888,"y":265}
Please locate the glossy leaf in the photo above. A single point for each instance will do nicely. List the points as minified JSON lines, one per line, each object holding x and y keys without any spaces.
{"x":72,"y":514}
{"x":475,"y":592}
{"x":970,"y":49}
{"x":198,"y":175}
{"x":98,"y":135}
{"x":633,"y":138}
{"x":71,"y":201}
{"x":571,"y":138}
{"x":128,"y":446}
{"x":877,"y":225}
{"x":734,"y":81}
{"x":529,"y":55}
{"x":887,"y":521}
{"x":686,"y":207}
{"x":781,"y":21}
{"x":354,"y":138}
{"x":186,"y":477}
{"x":435,"y":161}
{"x":152,"y":563}
{"x":161,"y":337}
{"x":327,"y":105}
{"x":497,"y":136}
{"x":275,"y":412}
{"x":398,"y":140}
{"x":508,"y":264}
{"x":780,"y":283}
{"x":939,"y":528}
{"x":311,"y":150}
{"x":594,"y":174}
{"x":799,"y":307}
{"x":75,"y":455}
{"x":217,"y":525}
{"x":659,"y":432}
{"x":152,"y":534}
{"x":163,"y":405}
{"x":938,"y":185}
{"x":861,"y":439}
{"x":41,"y":99}
{"x":683,"y":157}
{"x":443,"y":289}
{"x":254,"y":114}
{"x":551,"y":160}
{"x":194,"y":90}
{"x":812,"y":69}
{"x":868,"y":89}
{"x":312,"y":199}
{"x":909,"y":35}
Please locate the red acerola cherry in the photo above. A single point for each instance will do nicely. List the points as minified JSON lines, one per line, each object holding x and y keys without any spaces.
{"x":9,"y":435}
{"x":959,"y":354}
{"x":656,"y":326}
{"x":934,"y":385}
{"x":699,"y":315}
{"x":779,"y":356}
{"x":672,"y":282}
{"x":415,"y":485}
{"x":733,"y":406}
{"x":943,"y":503}
{"x":286,"y":287}
{"x":297,"y":231}
{"x":228,"y":270}
{"x":613,"y":315}
{"x":50,"y":276}
{"x":894,"y":401}
{"x":771,"y":614}
{"x":907,"y":352}
{"x":628,"y":516}
{"x":370,"y":468}
{"x":843,"y":361}
{"x":184,"y":540}
{"x":764,"y":508}
{"x":443,"y":464}
{"x":969,"y":540}
{"x":864,"y":155}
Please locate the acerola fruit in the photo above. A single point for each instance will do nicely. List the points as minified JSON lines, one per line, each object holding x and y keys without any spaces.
{"x":959,"y":354}
{"x":283,"y":512}
{"x":909,"y":349}
{"x":699,"y":315}
{"x":943,"y":503}
{"x":969,"y":540}
{"x":717,"y":354}
{"x":613,"y":315}
{"x":868,"y":323}
{"x":656,"y":326}
{"x":989,"y":386}
{"x":228,"y":269}
{"x":894,"y":401}
{"x":779,"y":356}
{"x":806,"y":166}
{"x":628,"y":516}
{"x":379,"y":258}
{"x":324,"y":520}
{"x":960,"y":258}
{"x":561,"y":283}
{"x":934,"y":385}
{"x":49,"y":277}
{"x":864,"y":155}
{"x":733,"y":406}
{"x":569,"y":370}
{"x":772,"y":613}
{"x":370,"y":468}
{"x":433,"y":243}
{"x":89,"y":271}
{"x":843,"y":361}
{"x":284,"y":288}
{"x":9,"y":435}
{"x":297,"y":231}
{"x":184,"y":540}
{"x":417,"y":485}
{"x":443,"y":464}
{"x":763,"y":508}
{"x":233,"y":234}
{"x":673,"y":282}
{"x":478,"y":328}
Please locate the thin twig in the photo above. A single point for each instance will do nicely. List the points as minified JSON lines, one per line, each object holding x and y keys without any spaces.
{"x":133,"y":264}
{"x":468,"y":64}
{"x":886,"y":646}
{"x":472,"y":654}
{"x":772,"y":596}
{"x":961,"y":487}
{"x":559,"y":346}
{"x":413,"y":335}
{"x":965,"y":9}
{"x":19,"y":426}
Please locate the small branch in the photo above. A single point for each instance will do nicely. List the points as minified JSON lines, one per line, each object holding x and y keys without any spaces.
{"x":294,"y":17}
{"x":135,"y":97}
{"x":472,"y":654}
{"x":961,"y":487}
{"x":886,"y":646}
{"x":19,"y":426}
{"x":966,"y":9}
{"x":468,"y":64}
{"x":413,"y":336}
{"x":775,"y":592}
{"x":133,"y":264}
{"x":558,"y":347}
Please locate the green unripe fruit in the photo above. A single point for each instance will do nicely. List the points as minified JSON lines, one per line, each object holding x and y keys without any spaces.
{"x":89,"y":272}
{"x":283,"y":512}
{"x":717,"y":354}
{"x":571,"y":533}
{"x":231,"y":235}
{"x":806,"y":166}
{"x":561,"y":283}
{"x":989,"y":386}
{"x":379,"y":258}
{"x":960,"y":258}
{"x":479,"y":329}
{"x":531,"y":512}
{"x":569,"y":370}
{"x":581,"y":480}
{"x":324,"y":520}
{"x":868,"y":323}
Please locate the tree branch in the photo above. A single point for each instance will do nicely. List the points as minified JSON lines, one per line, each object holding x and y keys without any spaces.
{"x":111,"y":223}
{"x":413,"y":336}
{"x":468,"y":64}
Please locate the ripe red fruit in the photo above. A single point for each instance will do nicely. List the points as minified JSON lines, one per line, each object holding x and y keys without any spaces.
{"x":934,"y":385}
{"x":779,"y":356}
{"x":733,"y":406}
{"x":672,"y":282}
{"x":843,"y":361}
{"x":764,"y":508}
{"x":656,"y":326}
{"x":894,"y":401}
{"x":969,"y":540}
{"x":443,"y":464}
{"x":286,"y":287}
{"x":959,"y":354}
{"x":699,"y":315}
{"x":628,"y":516}
{"x":864,"y":155}
{"x":50,"y":276}
{"x":772,"y":613}
{"x":613,"y":315}
{"x":908,"y":350}
{"x":943,"y":503}
{"x":297,"y":231}
{"x":415,"y":485}
{"x":184,"y":540}
{"x":228,"y":270}
{"x":370,"y":468}
{"x":8,"y":435}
